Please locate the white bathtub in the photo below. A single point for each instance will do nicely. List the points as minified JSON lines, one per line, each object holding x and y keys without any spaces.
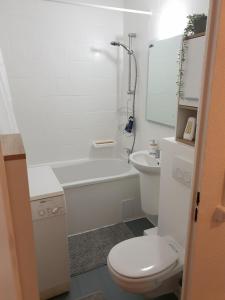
{"x":99,"y":193}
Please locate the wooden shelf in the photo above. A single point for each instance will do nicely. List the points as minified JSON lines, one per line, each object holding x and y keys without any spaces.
{"x":194,"y":36}
{"x":190,"y":143}
{"x":188,"y":107}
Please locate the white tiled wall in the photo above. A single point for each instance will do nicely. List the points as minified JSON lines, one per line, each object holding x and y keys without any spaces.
{"x":8,"y":123}
{"x":63,"y":75}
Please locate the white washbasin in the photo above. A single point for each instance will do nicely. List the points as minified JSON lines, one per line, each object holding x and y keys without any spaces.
{"x":145,"y":163}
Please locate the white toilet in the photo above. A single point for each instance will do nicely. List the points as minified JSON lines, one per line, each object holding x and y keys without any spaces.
{"x":151,"y":265}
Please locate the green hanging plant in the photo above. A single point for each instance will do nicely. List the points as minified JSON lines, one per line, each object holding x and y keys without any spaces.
{"x":196,"y":24}
{"x":180,"y":77}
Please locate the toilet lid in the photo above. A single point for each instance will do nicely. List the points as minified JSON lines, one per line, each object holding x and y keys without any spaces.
{"x":142,"y":256}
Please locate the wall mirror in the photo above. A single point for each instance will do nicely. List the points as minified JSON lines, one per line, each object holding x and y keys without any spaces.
{"x":163,"y":68}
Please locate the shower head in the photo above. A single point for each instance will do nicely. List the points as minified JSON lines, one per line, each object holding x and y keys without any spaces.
{"x":113,"y":43}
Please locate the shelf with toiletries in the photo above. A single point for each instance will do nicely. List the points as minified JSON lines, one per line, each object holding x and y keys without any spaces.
{"x":189,"y":87}
{"x":186,"y":124}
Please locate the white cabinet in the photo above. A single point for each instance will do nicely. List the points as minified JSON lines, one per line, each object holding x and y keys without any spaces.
{"x":193,"y":70}
{"x":190,"y":83}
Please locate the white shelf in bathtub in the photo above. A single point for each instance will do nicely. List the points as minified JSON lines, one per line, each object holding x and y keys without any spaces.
{"x":104,"y":144}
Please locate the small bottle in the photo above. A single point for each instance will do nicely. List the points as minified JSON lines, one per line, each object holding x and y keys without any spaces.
{"x":153,"y":147}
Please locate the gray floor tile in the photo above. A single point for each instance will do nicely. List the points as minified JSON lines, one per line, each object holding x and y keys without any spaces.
{"x":111,"y":290}
{"x":94,"y":296}
{"x":89,"y":282}
{"x":100,"y":279}
{"x":167,"y":297}
{"x":138,"y":226}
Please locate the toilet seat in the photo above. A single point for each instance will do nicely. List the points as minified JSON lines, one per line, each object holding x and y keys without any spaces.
{"x":142,"y":257}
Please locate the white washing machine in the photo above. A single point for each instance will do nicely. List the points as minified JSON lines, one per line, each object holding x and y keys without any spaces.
{"x":50,"y":234}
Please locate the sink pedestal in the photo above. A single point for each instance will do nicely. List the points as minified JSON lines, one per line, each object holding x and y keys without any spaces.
{"x":149,"y":168}
{"x":149,"y":184}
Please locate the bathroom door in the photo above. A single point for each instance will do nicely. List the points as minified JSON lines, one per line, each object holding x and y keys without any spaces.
{"x":204,"y":272}
{"x":9,"y":275}
{"x":18,"y":275}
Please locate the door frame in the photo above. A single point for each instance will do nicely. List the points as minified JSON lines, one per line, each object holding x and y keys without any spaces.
{"x":18,"y":269}
{"x":195,"y":284}
{"x":206,"y":107}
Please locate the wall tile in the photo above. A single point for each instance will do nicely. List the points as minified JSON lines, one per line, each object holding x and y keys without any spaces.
{"x":63,"y":75}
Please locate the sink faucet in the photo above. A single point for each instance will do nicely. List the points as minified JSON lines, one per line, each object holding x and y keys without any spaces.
{"x":155,"y":153}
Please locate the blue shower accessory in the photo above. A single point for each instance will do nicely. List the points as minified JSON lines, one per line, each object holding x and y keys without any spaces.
{"x":130,"y":125}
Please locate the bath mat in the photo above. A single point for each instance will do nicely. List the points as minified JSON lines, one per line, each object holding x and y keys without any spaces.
{"x":89,"y":250}
{"x":94,"y":296}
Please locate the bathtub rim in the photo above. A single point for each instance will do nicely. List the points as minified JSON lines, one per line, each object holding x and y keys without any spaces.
{"x":79,"y":183}
{"x":98,"y":180}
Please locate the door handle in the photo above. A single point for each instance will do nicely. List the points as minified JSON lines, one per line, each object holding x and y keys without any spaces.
{"x":219,"y":215}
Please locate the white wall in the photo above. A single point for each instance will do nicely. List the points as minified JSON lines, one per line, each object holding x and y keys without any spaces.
{"x":168,"y":19}
{"x":63,"y":75}
{"x":8,"y":123}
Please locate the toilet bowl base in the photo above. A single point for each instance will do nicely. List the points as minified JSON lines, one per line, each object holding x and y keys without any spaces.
{"x":151,"y":289}
{"x":170,"y":285}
